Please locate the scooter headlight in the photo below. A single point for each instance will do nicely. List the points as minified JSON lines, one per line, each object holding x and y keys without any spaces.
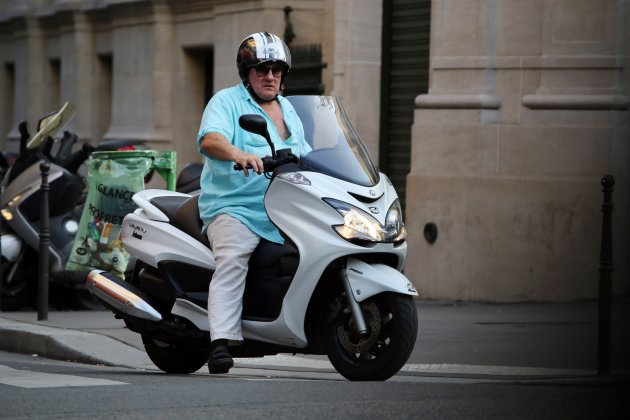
{"x":394,"y":226}
{"x":71,"y":226}
{"x":360,"y":226}
{"x":6,"y":214}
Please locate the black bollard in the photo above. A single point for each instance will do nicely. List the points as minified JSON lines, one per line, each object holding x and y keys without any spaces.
{"x":605,"y":281}
{"x":1,"y":266}
{"x":44,"y":251}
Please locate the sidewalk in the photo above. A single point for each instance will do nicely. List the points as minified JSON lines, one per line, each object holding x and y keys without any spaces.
{"x":526,"y":340}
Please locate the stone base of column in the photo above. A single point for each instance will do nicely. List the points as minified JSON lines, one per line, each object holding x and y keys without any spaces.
{"x":507,"y":238}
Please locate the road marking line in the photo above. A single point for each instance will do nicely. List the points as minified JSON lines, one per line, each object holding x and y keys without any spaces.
{"x":29,"y":379}
{"x":492,"y":370}
{"x":303,"y":362}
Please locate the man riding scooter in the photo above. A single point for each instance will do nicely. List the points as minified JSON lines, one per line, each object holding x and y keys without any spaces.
{"x":230,"y":205}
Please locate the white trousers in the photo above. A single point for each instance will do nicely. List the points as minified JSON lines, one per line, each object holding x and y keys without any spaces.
{"x":232,"y":244}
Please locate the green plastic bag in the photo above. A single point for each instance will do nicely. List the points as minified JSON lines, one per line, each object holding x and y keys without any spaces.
{"x":113,"y":178}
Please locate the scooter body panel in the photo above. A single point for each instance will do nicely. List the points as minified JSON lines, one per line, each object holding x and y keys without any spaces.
{"x":307,"y":219}
{"x":367,"y":280}
{"x":143,"y":200}
{"x":21,"y":189}
{"x":152,"y":241}
{"x":28,"y":180}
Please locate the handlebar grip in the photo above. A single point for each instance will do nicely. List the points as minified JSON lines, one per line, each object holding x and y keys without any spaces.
{"x":239,"y":167}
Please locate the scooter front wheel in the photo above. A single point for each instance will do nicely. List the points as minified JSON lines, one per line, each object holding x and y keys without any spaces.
{"x":172,"y":358}
{"x":392,"y":323}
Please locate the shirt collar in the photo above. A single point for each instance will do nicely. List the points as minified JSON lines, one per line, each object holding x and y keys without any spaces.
{"x":244,"y":92}
{"x":247,"y":96}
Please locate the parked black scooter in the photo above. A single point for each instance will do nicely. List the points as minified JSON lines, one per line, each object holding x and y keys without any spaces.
{"x":20,"y":206}
{"x":6,"y":160}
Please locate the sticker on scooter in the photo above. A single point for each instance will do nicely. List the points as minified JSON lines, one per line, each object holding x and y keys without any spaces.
{"x":137,"y":228}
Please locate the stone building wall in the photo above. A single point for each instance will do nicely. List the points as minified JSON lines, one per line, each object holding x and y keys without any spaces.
{"x":527,"y":110}
{"x":135,"y":68}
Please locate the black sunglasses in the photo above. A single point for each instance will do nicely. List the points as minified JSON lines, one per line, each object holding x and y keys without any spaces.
{"x":262,"y":71}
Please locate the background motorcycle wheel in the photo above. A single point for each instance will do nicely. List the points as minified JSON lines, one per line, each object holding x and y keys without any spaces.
{"x":392,"y":323}
{"x":80,"y":299}
{"x":21,"y":291}
{"x":171,"y":358}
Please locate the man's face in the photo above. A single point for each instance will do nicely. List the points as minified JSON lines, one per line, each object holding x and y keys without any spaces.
{"x":265,"y":80}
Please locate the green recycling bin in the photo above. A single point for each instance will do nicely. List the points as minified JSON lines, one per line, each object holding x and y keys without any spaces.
{"x":113,"y":179}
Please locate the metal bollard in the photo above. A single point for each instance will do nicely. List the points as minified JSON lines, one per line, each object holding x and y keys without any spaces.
{"x":44,"y":251}
{"x":1,"y":266}
{"x":605,"y":281}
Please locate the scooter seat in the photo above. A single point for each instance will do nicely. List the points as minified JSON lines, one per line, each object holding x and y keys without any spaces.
{"x":168,"y":204}
{"x":188,"y":179}
{"x":183,"y":213}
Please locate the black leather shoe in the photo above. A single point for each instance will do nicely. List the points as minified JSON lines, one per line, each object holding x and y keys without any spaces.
{"x":220,"y":360}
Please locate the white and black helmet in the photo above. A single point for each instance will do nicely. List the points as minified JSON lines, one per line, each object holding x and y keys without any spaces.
{"x":262,"y":47}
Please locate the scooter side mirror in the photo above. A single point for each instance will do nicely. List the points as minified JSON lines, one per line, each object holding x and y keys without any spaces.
{"x":45,"y":120}
{"x":257,"y":125}
{"x":24,"y":136}
{"x":50,"y":124}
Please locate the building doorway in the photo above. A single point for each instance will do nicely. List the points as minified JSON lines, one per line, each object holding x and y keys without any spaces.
{"x":404,"y":76}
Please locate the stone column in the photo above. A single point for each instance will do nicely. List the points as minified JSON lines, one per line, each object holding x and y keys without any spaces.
{"x":142,"y":74}
{"x":356,"y":66}
{"x":77,"y":71}
{"x":23,"y":48}
{"x":527,"y":109}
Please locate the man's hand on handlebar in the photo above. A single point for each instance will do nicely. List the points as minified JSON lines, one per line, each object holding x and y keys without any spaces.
{"x":248,"y":161}
{"x":270,"y":163}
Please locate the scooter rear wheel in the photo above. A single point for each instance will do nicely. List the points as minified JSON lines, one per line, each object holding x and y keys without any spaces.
{"x":172,"y":358}
{"x":392,"y":323}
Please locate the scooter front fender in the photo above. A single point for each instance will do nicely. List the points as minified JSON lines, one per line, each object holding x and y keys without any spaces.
{"x":367,"y":280}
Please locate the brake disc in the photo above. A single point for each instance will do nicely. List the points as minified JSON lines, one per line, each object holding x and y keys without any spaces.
{"x":349,"y":337}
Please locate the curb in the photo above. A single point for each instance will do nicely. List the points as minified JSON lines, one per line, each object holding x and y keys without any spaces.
{"x":70,"y":345}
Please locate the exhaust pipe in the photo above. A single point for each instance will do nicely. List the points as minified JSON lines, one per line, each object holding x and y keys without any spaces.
{"x":115,"y":292}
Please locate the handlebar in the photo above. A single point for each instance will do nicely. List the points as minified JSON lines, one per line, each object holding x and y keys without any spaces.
{"x":270,"y":163}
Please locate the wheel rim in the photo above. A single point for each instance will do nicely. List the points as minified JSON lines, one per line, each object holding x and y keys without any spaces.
{"x":13,"y":272}
{"x":348,"y":336}
{"x":361,"y":351}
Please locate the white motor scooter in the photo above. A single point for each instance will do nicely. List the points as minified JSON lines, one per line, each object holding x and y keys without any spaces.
{"x":334,"y":287}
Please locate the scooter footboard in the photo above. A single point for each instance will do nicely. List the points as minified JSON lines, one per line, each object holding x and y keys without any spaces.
{"x":120,"y":295}
{"x":367,"y":280}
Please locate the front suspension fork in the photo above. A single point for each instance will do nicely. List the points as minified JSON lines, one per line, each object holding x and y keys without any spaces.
{"x":355,"y":307}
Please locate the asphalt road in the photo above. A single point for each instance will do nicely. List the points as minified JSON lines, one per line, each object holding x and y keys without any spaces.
{"x":32,"y":387}
{"x":470,"y":338}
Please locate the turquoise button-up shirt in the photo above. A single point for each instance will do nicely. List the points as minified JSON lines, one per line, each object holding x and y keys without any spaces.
{"x":225,"y":190}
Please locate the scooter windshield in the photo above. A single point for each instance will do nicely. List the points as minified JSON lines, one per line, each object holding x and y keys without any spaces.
{"x":338,"y":151}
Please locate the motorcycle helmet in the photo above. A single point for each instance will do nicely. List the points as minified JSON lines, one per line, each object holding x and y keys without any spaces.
{"x":262,"y":47}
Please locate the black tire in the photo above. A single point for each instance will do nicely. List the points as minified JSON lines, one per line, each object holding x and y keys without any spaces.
{"x":392,"y":323}
{"x":172,"y":358}
{"x":21,"y":291}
